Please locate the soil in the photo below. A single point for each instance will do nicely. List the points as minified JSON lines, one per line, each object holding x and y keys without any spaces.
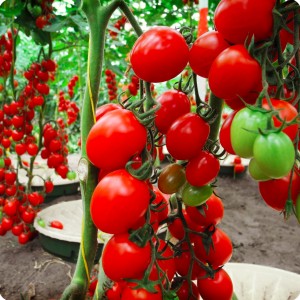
{"x":259,"y":235}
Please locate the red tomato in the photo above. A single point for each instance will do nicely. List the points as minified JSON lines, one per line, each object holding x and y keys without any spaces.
{"x":56,"y":224}
{"x":183,"y":263}
{"x":114,"y":139}
{"x":234,"y":73}
{"x":24,"y":237}
{"x":219,"y":252}
{"x":103,"y":109}
{"x":184,"y":292}
{"x":275,"y":191}
{"x":173,"y":105}
{"x":202,"y":169}
{"x":129,"y":293}
{"x":224,"y":136}
{"x":160,"y":54}
{"x":177,"y":230}
{"x":187,"y":136}
{"x":210,"y":213}
{"x":286,"y":112}
{"x":114,"y":293}
{"x":115,"y":210}
{"x":237,"y":20}
{"x":11,"y":207}
{"x":122,"y":258}
{"x":204,"y":50}
{"x":220,"y":287}
{"x":17,"y":229}
{"x":165,"y":261}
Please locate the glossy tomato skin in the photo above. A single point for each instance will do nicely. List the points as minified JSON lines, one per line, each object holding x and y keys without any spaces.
{"x":274,"y":154}
{"x":171,"y":178}
{"x":173,"y":105}
{"x":129,"y":293}
{"x":162,"y":204}
{"x":210,"y":213}
{"x":183,"y":292}
{"x":196,"y":195}
{"x":256,"y":172}
{"x":237,"y":20}
{"x":220,"y":287}
{"x":219,"y":254}
{"x":202,"y":169}
{"x":159,"y":54}
{"x":286,"y":112}
{"x":225,"y":135}
{"x":234,"y":73}
{"x":187,"y":136}
{"x":103,"y":109}
{"x":122,"y":258}
{"x":115,"y":210}
{"x":204,"y":50}
{"x":241,"y":138}
{"x":114,"y":139}
{"x":275,"y":191}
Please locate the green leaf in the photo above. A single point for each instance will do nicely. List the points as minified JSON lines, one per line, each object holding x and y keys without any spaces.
{"x":79,"y":21}
{"x":12,"y":12}
{"x":56,"y":25}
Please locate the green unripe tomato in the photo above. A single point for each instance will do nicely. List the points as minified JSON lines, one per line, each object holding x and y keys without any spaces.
{"x":196,"y":195}
{"x":36,"y":11}
{"x":2,"y":163}
{"x":244,"y":130}
{"x":274,"y":154}
{"x":255,"y":172}
{"x":41,"y":223}
{"x":171,"y":179}
{"x":71,"y":175}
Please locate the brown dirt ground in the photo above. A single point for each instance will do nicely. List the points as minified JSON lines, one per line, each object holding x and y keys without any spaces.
{"x":259,"y":235}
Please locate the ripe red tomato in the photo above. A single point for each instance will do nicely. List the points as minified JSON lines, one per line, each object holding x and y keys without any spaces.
{"x":183,"y":262}
{"x":122,"y":258}
{"x":49,"y":186}
{"x":131,"y":293}
{"x":24,"y":237}
{"x":234,"y":73}
{"x":103,"y":109}
{"x":219,"y":253}
{"x":56,"y":224}
{"x":275,"y":191}
{"x":287,"y":112}
{"x":220,"y":287}
{"x":160,"y":54}
{"x":17,"y":229}
{"x":166,"y":263}
{"x":184,"y":293}
{"x":207,"y":214}
{"x":28,"y":216}
{"x":187,"y":136}
{"x":162,"y":205}
{"x":202,"y":169}
{"x":237,"y":20}
{"x":32,"y":149}
{"x":225,"y":136}
{"x":115,"y":210}
{"x":173,"y":105}
{"x":204,"y":50}
{"x":114,"y":139}
{"x":11,"y":207}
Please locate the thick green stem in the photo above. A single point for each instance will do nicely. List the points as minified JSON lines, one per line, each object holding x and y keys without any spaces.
{"x":98,"y":18}
{"x":217,"y":104}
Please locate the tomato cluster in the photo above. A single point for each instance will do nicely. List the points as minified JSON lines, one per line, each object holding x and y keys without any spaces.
{"x":6,"y":53}
{"x":41,"y":11}
{"x":111,"y":84}
{"x":133,"y":86}
{"x":67,"y":105}
{"x":119,"y":25}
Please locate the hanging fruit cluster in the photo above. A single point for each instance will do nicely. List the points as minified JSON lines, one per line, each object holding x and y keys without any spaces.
{"x":267,"y":130}
{"x":41,"y":11}
{"x":133,"y":86}
{"x":110,"y":79}
{"x":134,"y":212}
{"x":6,"y":53}
{"x":67,"y":105}
{"x":119,"y":25}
